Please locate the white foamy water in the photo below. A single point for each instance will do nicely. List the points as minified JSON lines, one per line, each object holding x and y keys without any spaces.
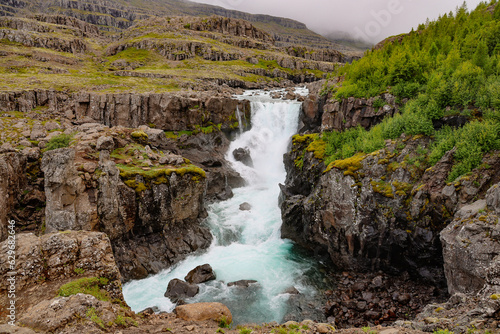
{"x":247,"y":244}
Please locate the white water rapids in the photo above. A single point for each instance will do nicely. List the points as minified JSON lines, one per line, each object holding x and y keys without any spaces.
{"x":247,"y":244}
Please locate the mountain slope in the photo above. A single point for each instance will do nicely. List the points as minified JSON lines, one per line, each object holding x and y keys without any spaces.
{"x":120,"y":14}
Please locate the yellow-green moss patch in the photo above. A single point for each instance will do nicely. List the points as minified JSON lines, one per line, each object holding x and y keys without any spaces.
{"x":382,"y":188}
{"x":350,"y":165}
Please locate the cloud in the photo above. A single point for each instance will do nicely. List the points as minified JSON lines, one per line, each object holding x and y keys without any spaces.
{"x":371,"y":20}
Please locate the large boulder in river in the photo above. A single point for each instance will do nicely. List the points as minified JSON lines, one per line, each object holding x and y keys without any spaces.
{"x":178,"y":289}
{"x":245,"y":206}
{"x":204,"y":311}
{"x":244,"y":283}
{"x":200,"y":274}
{"x":243,"y":155}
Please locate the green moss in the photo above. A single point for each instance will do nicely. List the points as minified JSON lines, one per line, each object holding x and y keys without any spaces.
{"x":140,"y":136}
{"x":298,"y":139}
{"x":382,"y":188}
{"x":350,"y":165}
{"x":402,"y":188}
{"x":89,"y":285}
{"x":495,"y":297}
{"x":317,"y":146}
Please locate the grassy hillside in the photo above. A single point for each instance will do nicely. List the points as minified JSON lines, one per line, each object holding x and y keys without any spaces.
{"x":153,"y":55}
{"x":113,"y":15}
{"x":447,"y":68}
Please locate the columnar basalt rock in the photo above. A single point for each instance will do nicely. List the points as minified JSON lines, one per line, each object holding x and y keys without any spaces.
{"x":12,"y":181}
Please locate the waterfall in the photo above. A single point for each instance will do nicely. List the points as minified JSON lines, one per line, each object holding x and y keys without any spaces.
{"x":247,"y":244}
{"x":240,"y":124}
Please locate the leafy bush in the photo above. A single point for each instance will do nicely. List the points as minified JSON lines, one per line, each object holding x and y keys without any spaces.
{"x":59,"y":141}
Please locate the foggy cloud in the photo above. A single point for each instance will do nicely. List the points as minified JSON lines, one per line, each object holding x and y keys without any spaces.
{"x":370,"y":20}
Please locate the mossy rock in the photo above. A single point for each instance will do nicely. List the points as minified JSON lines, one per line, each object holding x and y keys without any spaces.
{"x":140,"y":137}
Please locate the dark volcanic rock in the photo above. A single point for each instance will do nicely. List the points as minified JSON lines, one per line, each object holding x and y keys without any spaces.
{"x":200,"y":274}
{"x":178,"y":289}
{"x":242,"y":283}
{"x":243,"y":155}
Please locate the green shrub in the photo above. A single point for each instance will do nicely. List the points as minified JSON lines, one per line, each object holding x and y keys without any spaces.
{"x":224,"y":322}
{"x":59,"y":141}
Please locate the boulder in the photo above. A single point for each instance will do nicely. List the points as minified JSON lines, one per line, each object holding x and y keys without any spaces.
{"x":242,"y":283}
{"x":55,"y":314}
{"x":37,"y":132}
{"x":243,"y":155}
{"x":52,"y":125}
{"x":204,"y":311}
{"x":105,"y":143}
{"x":493,"y":198}
{"x":178,"y":289}
{"x":200,"y":274}
{"x":171,"y":159}
{"x":245,"y":206}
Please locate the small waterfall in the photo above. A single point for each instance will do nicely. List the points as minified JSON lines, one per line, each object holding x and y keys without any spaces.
{"x":240,"y":124}
{"x":247,"y":244}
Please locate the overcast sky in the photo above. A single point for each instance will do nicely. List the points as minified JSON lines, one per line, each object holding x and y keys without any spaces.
{"x":371,"y":20}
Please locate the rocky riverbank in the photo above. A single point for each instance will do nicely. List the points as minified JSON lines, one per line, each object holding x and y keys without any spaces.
{"x":391,"y":211}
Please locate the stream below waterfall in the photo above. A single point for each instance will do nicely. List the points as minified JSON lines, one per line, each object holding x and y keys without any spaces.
{"x":247,"y":244}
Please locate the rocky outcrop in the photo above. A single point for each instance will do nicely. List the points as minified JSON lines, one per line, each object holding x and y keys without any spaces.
{"x":86,"y":29}
{"x":178,"y":290}
{"x":377,"y":211}
{"x":204,"y":311}
{"x":69,"y":202}
{"x":324,"y":55}
{"x":141,"y":220}
{"x":322,"y":113}
{"x":354,"y":112}
{"x":11,"y":184}
{"x":44,"y":263}
{"x":171,"y":112}
{"x":471,"y":247}
{"x":48,"y":41}
{"x":54,"y":315}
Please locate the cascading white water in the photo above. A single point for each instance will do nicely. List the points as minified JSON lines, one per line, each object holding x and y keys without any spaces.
{"x":247,"y":244}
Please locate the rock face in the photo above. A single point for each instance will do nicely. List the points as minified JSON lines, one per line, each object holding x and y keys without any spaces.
{"x":43,"y":264}
{"x":321,"y":113}
{"x":69,"y":204}
{"x":471,"y":248}
{"x":11,"y":184}
{"x":204,"y":311}
{"x":178,"y":289}
{"x":141,"y":222}
{"x":375,"y":211}
{"x":170,"y":112}
{"x":200,"y":274}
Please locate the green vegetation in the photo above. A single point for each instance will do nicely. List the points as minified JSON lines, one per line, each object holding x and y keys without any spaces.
{"x":94,"y":316}
{"x":442,"y":331}
{"x":449,"y":67}
{"x":224,"y":322}
{"x":245,"y":330}
{"x":89,"y":285}
{"x":59,"y":141}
